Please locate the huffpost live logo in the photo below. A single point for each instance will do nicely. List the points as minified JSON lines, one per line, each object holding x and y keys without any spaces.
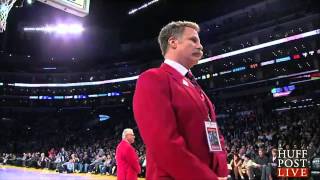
{"x":293,"y":163}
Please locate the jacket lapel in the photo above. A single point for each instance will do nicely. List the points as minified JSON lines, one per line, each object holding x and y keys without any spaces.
{"x":181,"y":80}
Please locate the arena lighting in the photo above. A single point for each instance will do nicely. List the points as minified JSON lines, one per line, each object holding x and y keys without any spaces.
{"x":253,"y":66}
{"x":80,"y":97}
{"x":239,"y":69}
{"x":283,"y":59}
{"x":225,"y":72}
{"x":311,"y":53}
{"x":74,"y":96}
{"x":283,"y":89}
{"x":59,"y":29}
{"x":45,"y":97}
{"x":304,"y":54}
{"x":68,"y":97}
{"x":295,"y":107}
{"x":29,"y":2}
{"x":302,"y":81}
{"x":242,"y":68}
{"x":49,"y":68}
{"x":267,"y":63}
{"x":260,"y":46}
{"x":1,"y":84}
{"x":315,"y":75}
{"x":282,"y":109}
{"x":145,"y":5}
{"x":270,"y":79}
{"x":76,"y":84}
{"x":102,"y":95}
{"x":281,"y":94}
{"x":103,"y":117}
{"x":33,"y":97}
{"x":296,"y":56}
{"x":239,"y":85}
{"x":58,"y":97}
{"x":221,"y":56}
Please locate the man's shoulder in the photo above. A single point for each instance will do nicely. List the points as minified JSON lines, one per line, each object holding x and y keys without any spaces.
{"x":122,"y":145}
{"x":154,"y":73}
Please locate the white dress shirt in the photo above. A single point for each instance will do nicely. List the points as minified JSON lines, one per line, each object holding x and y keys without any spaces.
{"x":181,"y":69}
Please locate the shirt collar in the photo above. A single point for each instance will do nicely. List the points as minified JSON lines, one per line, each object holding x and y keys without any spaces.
{"x":181,"y":69}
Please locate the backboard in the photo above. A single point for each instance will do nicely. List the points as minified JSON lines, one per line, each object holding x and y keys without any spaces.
{"x":76,"y":7}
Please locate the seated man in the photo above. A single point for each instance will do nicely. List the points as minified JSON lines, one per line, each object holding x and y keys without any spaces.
{"x":94,"y":166}
{"x":24,"y":159}
{"x":68,"y":166}
{"x":262,"y":161}
{"x":41,"y":163}
{"x":247,"y":166}
{"x":106,"y":167}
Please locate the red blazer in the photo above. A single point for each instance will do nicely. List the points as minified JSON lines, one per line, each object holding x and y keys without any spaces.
{"x":170,"y":116}
{"x":128,"y":166}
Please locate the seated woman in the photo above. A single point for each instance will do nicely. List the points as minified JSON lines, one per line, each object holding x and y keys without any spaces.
{"x":236,"y":163}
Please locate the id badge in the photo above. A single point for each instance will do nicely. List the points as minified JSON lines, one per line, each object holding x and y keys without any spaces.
{"x":213,"y":136}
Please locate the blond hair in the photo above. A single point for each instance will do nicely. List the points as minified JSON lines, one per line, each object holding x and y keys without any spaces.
{"x":174,"y":29}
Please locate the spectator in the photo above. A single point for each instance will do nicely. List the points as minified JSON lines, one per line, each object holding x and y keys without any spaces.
{"x":247,"y":168}
{"x":235,"y":165}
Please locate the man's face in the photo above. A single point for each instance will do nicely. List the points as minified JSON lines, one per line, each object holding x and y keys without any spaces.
{"x":130,"y":137}
{"x":246,"y":158}
{"x":189,"y":48}
{"x":261,"y":153}
{"x":274,"y":153}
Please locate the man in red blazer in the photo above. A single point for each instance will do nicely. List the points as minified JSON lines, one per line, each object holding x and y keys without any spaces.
{"x":128,"y":166}
{"x":171,"y":110}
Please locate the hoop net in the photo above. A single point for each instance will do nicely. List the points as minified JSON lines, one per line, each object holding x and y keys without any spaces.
{"x":5,"y":7}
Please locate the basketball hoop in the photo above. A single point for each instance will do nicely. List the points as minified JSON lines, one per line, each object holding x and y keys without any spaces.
{"x":5,"y":7}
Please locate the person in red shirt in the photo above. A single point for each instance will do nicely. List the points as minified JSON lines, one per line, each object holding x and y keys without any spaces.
{"x":173,"y":112}
{"x":128,"y":166}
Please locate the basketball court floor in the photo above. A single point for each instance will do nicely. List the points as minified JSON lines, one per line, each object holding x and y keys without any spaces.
{"x":20,"y":173}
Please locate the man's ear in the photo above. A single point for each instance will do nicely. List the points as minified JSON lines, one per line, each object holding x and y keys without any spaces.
{"x":172,"y":42}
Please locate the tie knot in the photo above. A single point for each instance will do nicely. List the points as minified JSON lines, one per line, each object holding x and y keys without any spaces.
{"x":190,"y":76}
{"x":193,"y":80}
